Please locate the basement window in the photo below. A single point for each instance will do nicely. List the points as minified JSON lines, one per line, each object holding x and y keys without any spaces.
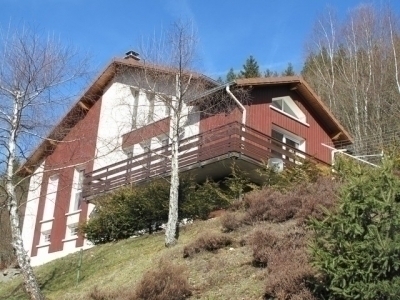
{"x":287,"y":106}
{"x":73,"y":229}
{"x":45,"y":237}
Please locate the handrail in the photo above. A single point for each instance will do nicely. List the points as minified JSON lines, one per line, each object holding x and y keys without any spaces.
{"x":221,"y":140}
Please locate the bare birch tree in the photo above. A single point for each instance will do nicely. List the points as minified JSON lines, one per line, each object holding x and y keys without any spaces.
{"x":170,"y":84}
{"x":353,"y":66}
{"x":177,"y":52}
{"x":34,"y":72}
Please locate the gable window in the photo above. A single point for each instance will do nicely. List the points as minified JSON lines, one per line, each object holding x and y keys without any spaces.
{"x":292,"y":141}
{"x":287,"y":106}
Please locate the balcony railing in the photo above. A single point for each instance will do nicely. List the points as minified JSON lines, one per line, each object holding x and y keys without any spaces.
{"x":233,"y":139}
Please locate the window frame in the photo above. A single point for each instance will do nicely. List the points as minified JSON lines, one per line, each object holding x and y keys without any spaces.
{"x":301,"y":142}
{"x":298,"y":115}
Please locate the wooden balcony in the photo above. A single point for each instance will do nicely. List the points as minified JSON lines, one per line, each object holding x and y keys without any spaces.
{"x":227,"y":141}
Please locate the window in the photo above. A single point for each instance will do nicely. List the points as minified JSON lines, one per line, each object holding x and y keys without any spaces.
{"x":289,"y":107}
{"x":151,"y":100}
{"x":45,"y":237}
{"x":284,"y":137}
{"x":129,"y":152}
{"x":135,"y":94}
{"x":167,"y":110}
{"x":73,"y":229}
{"x":76,"y":193}
{"x":51,"y":197}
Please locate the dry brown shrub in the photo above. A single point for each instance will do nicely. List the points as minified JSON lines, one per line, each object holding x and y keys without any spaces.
{"x":289,"y":270}
{"x":167,"y":282}
{"x":270,"y":205}
{"x":231,"y":221}
{"x":262,"y":242}
{"x":315,"y":196}
{"x":209,"y":242}
{"x":301,"y":202}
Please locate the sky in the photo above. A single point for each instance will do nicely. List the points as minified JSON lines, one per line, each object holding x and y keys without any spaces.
{"x":273,"y":31}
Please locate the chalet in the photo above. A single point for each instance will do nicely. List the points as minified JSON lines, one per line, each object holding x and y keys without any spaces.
{"x":117,"y":133}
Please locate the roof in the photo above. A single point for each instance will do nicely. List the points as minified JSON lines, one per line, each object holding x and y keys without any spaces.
{"x":85,"y":102}
{"x":337,"y":132}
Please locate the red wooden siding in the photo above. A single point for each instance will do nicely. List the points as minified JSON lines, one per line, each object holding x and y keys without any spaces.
{"x":145,"y":133}
{"x":78,"y":147}
{"x":261,"y":117}
{"x":208,"y":122}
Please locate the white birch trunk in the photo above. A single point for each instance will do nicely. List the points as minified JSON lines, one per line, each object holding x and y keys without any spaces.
{"x":170,"y":232}
{"x":31,"y":284}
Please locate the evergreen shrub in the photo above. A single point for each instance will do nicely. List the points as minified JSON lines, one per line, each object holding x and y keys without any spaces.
{"x":357,"y":246}
{"x":132,"y":210}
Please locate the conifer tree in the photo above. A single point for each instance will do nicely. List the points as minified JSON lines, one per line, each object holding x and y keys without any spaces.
{"x":250,"y":68}
{"x":356,"y":247}
{"x":231,"y":76}
{"x":289,"y":71}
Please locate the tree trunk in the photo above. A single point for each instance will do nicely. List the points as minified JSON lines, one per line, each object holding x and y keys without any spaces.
{"x":31,"y":284}
{"x":170,"y":232}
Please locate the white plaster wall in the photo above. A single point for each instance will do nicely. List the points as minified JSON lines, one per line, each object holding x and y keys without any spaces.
{"x":115,"y":120}
{"x":31,"y":209}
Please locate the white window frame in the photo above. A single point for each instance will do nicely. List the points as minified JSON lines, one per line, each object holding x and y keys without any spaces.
{"x":135,"y":94}
{"x":288,"y":102}
{"x":151,"y":99}
{"x":73,"y":230}
{"x":51,"y":197}
{"x":295,"y":138}
{"x":45,"y":237}
{"x":76,"y":191}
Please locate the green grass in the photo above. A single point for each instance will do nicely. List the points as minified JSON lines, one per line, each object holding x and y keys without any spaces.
{"x":225,"y":274}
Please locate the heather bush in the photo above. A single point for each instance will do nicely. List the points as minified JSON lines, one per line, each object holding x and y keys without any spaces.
{"x":285,"y":258}
{"x":166,"y":282}
{"x":301,"y":202}
{"x":290,"y":274}
{"x":231,"y":221}
{"x":262,"y":242}
{"x":208,"y":242}
{"x":356,"y":247}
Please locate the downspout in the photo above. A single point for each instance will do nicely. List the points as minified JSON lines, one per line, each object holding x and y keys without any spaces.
{"x":238,"y":103}
{"x":243,"y":109}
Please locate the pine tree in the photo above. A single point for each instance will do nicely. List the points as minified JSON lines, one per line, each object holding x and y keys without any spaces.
{"x":250,"y":68}
{"x":289,"y":71}
{"x":270,"y":73}
{"x":231,"y":76}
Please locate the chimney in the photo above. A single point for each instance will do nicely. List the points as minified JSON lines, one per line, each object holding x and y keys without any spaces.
{"x":132,"y":54}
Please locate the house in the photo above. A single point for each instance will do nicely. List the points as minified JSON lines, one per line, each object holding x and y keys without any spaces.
{"x":117,"y":133}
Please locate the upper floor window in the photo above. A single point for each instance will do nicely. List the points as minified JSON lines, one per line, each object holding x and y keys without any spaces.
{"x":288,"y":107}
{"x":151,"y":99}
{"x":135,"y":95}
{"x":76,"y":194}
{"x":51,"y":197}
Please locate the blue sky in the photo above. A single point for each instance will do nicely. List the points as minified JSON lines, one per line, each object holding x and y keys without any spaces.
{"x":273,"y":31}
